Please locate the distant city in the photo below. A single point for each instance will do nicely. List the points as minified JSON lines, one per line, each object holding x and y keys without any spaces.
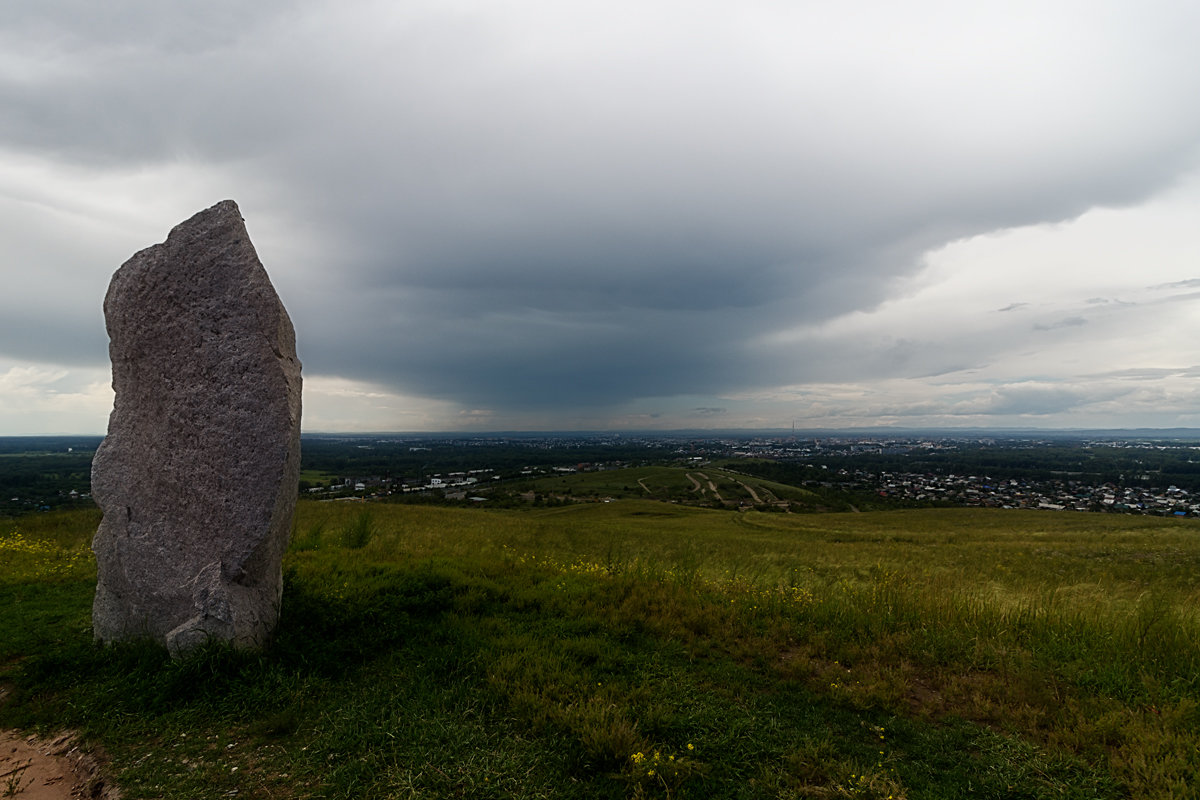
{"x":1154,"y":473}
{"x":1138,"y":472}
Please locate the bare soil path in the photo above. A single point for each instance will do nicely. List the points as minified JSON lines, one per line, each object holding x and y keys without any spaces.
{"x":750,"y":489}
{"x":49,"y":769}
{"x":712,"y":487}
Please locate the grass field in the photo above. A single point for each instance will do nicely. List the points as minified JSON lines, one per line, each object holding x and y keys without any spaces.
{"x":646,"y":649}
{"x":709,"y":485}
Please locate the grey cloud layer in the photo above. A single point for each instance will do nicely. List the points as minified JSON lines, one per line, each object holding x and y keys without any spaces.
{"x":531,"y":206}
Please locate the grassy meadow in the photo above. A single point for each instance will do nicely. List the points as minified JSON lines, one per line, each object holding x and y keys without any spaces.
{"x":711,"y":485}
{"x":637,"y":648}
{"x":703,"y":484}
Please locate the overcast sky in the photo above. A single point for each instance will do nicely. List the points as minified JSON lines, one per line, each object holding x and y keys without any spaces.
{"x":599,"y":215}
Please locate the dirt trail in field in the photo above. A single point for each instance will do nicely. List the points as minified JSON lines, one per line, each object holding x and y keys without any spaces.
{"x":712,"y":487}
{"x":49,"y":769}
{"x":750,"y":489}
{"x":642,"y":483}
{"x":696,"y":487}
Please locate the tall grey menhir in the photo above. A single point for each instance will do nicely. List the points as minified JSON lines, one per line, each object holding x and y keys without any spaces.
{"x":198,"y":475}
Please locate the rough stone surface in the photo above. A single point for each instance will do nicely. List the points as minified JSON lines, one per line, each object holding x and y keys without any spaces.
{"x":198,"y":475}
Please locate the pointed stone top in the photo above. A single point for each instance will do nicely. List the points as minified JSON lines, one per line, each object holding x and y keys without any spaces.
{"x":223,"y":213}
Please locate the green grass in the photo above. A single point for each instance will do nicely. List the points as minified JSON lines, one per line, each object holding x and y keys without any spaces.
{"x":706,"y":485}
{"x":647,"y":649}
{"x":317,"y":477}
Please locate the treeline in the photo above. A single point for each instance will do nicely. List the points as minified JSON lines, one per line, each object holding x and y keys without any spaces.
{"x":41,"y":472}
{"x":351,"y":457}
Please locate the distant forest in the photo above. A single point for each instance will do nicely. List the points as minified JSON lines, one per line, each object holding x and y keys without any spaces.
{"x":39,"y":472}
{"x":407,"y":458}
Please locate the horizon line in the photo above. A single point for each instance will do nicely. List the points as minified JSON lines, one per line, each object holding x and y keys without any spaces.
{"x":781,"y":430}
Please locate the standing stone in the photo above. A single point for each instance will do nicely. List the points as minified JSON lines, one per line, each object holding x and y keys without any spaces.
{"x":198,"y":475}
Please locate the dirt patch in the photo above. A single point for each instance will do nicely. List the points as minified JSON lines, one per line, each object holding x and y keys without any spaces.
{"x":50,"y":769}
{"x":750,"y":489}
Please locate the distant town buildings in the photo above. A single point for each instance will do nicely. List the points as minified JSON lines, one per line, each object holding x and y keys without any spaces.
{"x":904,"y":487}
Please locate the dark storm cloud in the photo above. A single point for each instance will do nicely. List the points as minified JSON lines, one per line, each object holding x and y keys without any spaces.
{"x":533,"y":206}
{"x":136,"y":83}
{"x":54,"y":334}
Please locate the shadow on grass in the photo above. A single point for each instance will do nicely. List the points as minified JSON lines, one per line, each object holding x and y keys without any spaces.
{"x":330,"y":630}
{"x":322,"y":635}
